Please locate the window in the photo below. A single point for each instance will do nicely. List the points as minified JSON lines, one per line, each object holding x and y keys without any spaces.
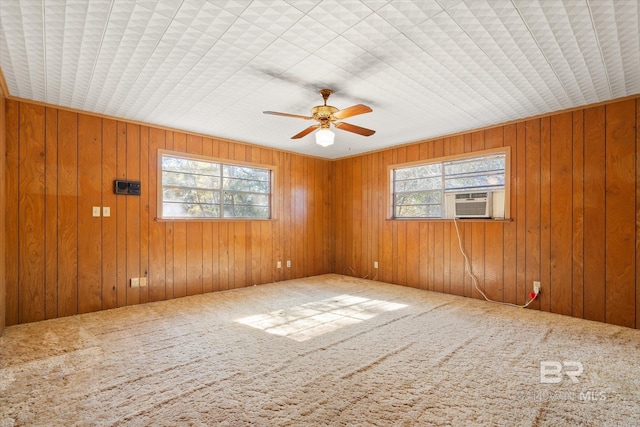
{"x":419,"y":191}
{"x":199,"y":187}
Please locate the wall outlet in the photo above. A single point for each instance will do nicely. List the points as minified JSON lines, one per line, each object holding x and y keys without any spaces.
{"x":135,"y":282}
{"x":375,"y":264}
{"x":279,"y":265}
{"x":288,"y":263}
{"x":96,"y":211}
{"x":106,"y":211}
{"x":143,"y":281}
{"x":536,"y":287}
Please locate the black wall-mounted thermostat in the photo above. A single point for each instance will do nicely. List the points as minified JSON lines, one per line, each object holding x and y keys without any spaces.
{"x":126,"y":187}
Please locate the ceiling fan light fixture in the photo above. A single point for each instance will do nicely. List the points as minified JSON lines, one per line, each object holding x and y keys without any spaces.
{"x":325,"y":137}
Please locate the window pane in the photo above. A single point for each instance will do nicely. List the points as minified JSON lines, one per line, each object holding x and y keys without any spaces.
{"x":189,"y":210}
{"x":189,"y":195}
{"x":474,"y":182}
{"x":419,"y":184}
{"x":482,"y":164}
{"x":418,"y":191}
{"x":246,"y":173}
{"x":419,"y":198}
{"x":177,"y":164}
{"x":232,"y":211}
{"x":246,"y":185}
{"x":231,"y":198}
{"x":193,"y":188}
{"x":419,"y":211}
{"x":187,"y":180}
{"x":422,"y":171}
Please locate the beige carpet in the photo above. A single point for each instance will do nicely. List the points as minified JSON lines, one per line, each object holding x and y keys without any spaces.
{"x":326,"y":350}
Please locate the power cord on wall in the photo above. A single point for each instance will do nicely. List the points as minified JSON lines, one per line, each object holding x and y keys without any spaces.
{"x":467,"y":266}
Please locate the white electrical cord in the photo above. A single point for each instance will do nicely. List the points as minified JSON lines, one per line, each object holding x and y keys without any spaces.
{"x":467,"y":266}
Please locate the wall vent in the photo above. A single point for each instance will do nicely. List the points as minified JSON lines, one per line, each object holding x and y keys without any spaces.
{"x":473,"y":205}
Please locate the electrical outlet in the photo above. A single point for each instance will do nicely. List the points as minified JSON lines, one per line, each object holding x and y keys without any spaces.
{"x":106,"y":211}
{"x":375,"y":264}
{"x":135,"y":282}
{"x":288,"y":264}
{"x":143,"y":281}
{"x":279,"y":265}
{"x":96,"y":211}
{"x":536,"y":287}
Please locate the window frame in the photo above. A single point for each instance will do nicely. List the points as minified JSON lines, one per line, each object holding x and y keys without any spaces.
{"x":480,"y":153}
{"x":223,"y":162}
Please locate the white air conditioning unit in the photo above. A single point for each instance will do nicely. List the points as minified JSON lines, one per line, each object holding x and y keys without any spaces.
{"x":473,"y":205}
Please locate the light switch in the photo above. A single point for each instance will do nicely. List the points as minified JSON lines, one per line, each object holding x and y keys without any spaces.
{"x":106,"y":211}
{"x":96,"y":211}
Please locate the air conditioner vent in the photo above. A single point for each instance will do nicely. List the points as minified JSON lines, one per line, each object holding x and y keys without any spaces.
{"x":473,"y":205}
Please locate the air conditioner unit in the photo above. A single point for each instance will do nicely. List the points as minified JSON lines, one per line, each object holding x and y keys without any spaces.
{"x":473,"y":205}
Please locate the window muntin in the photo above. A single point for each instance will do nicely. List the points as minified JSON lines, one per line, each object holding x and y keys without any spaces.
{"x":202,"y":188}
{"x":418,"y":190}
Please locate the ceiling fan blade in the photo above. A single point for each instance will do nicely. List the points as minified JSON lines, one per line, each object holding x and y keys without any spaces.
{"x":295,"y":116}
{"x":305,"y":132}
{"x":352,"y":111}
{"x":355,"y":129}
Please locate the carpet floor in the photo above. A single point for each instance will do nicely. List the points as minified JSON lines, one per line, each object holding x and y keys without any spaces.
{"x":325,"y":350}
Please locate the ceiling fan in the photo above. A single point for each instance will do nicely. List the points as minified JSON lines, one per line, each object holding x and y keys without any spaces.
{"x":326,"y":115}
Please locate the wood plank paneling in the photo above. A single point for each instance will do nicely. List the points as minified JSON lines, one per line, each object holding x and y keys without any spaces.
{"x":89,"y":227}
{"x":532,"y":203}
{"x":122,"y":281}
{"x":31,"y":262}
{"x":571,"y":226}
{"x":3,"y":212}
{"x":578,"y":214}
{"x":67,"y":213}
{"x":561,"y":213}
{"x":51,"y":213}
{"x":620,"y":213}
{"x":109,"y":232}
{"x":566,"y":207}
{"x":12,"y":291}
{"x":132,"y":213}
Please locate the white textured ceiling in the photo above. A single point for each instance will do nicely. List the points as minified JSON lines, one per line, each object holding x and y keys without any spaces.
{"x":427,"y":68}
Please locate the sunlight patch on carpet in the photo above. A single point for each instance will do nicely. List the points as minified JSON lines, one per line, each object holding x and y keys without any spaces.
{"x":313,"y":319}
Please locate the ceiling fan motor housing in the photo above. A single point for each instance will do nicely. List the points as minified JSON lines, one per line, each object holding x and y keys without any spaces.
{"x":323,"y":113}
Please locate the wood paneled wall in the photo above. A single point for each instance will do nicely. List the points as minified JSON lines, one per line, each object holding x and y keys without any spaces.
{"x":61,"y":260}
{"x":2,"y":207}
{"x":575,"y":204}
